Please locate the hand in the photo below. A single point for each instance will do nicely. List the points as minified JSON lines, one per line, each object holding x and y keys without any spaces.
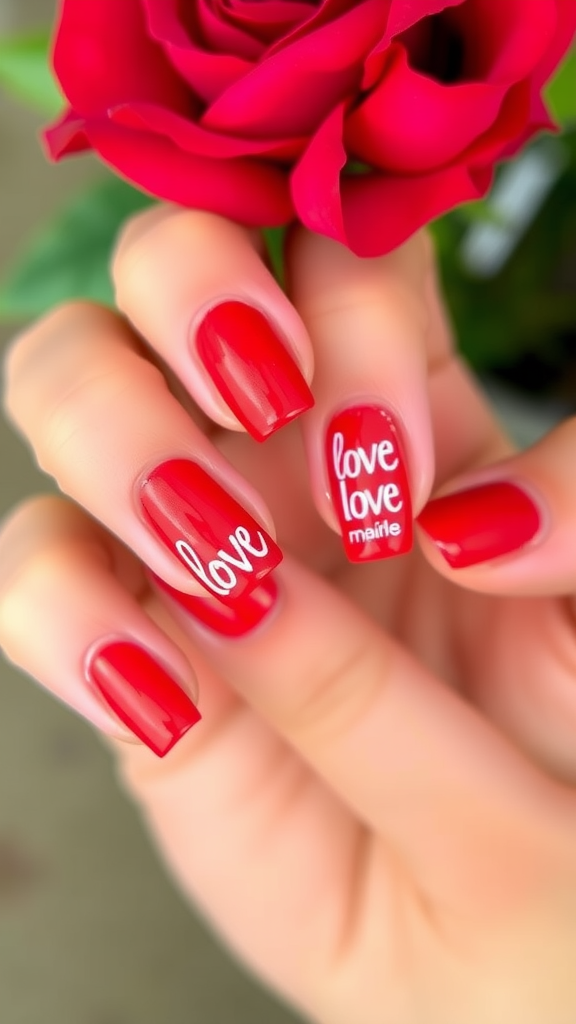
{"x":376,"y":812}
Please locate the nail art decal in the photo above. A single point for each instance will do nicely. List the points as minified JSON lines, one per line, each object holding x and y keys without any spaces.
{"x":210,"y":533}
{"x":369,"y":483}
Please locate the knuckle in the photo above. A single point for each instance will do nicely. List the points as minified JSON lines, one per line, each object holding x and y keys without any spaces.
{"x":343,"y":694}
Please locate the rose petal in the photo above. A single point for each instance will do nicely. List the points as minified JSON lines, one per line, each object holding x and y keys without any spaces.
{"x":405,"y":13}
{"x":219,"y":33}
{"x":410,"y":122}
{"x":504,"y":41}
{"x":206,"y":72}
{"x":563,"y":36}
{"x":381,"y":211}
{"x":273,"y":99}
{"x":103,"y":56}
{"x":66,"y":136}
{"x":374,"y":213}
{"x":250,"y":191}
{"x":539,"y":117}
{"x":270,"y":20}
{"x":194,"y":139}
{"x":510,"y":123}
{"x":315,"y":180}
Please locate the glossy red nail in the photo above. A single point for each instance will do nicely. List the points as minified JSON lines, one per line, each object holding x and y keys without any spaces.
{"x":480,"y":523}
{"x":369,"y":483}
{"x":229,"y":620}
{"x":211,"y":534}
{"x":251,"y":368}
{"x":142,"y":694}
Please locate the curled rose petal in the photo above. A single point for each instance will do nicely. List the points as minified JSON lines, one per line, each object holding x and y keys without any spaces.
{"x":382,"y":132}
{"x":250,"y":191}
{"x":207,"y":73}
{"x":316,"y":179}
{"x":195,"y":139}
{"x":394,"y":207}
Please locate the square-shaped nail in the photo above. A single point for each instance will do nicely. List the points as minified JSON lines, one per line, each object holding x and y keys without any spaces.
{"x":480,"y":523}
{"x":251,"y":368}
{"x":142,"y":693}
{"x":369,"y":483}
{"x":210,"y":533}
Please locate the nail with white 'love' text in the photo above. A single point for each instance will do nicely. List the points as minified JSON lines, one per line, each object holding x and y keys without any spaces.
{"x":369,"y":483}
{"x":211,"y":534}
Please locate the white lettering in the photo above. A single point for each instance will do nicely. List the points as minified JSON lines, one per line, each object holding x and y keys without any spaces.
{"x":218,"y":575}
{"x":387,"y":448}
{"x":384,"y":528}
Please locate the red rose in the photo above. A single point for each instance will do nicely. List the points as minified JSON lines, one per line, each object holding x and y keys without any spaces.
{"x":363,"y":118}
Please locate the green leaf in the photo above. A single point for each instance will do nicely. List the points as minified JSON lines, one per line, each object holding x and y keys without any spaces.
{"x":25,"y":72}
{"x":560,"y":92}
{"x":70,"y":257}
{"x":274,"y":240}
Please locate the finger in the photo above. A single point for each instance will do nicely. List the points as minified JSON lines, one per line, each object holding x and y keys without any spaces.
{"x":94,"y":647}
{"x":195,"y":287}
{"x":369,"y":435}
{"x":102,"y":421}
{"x":508,"y":528}
{"x":392,"y":396}
{"x":411,"y":760}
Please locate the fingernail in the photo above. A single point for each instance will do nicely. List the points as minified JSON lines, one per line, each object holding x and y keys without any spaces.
{"x":369,"y":483}
{"x":480,"y":523}
{"x":251,"y":368}
{"x":142,"y":694}
{"x":229,"y":620}
{"x":208,"y":531}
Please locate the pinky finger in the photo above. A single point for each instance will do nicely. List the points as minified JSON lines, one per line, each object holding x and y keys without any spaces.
{"x":70,"y":617}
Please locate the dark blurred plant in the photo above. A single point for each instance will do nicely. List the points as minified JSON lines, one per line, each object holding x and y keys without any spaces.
{"x":513,"y":303}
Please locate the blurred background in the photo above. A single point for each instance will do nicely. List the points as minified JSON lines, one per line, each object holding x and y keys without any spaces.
{"x":91,"y":931}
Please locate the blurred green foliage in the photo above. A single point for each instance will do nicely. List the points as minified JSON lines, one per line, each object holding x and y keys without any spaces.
{"x":69,"y":258}
{"x":25,"y":72}
{"x":524,"y":315}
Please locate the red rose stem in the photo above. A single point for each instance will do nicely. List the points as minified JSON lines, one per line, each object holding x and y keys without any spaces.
{"x":369,"y":484}
{"x":251,"y":368}
{"x":209,"y":532}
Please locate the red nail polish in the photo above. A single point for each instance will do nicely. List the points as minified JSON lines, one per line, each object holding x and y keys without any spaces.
{"x":369,"y":483}
{"x":208,"y":531}
{"x":480,"y":523}
{"x":251,"y":368}
{"x":142,"y":694}
{"x":230,"y":620}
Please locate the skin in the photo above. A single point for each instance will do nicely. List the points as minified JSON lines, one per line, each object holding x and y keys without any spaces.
{"x":377,"y":813}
